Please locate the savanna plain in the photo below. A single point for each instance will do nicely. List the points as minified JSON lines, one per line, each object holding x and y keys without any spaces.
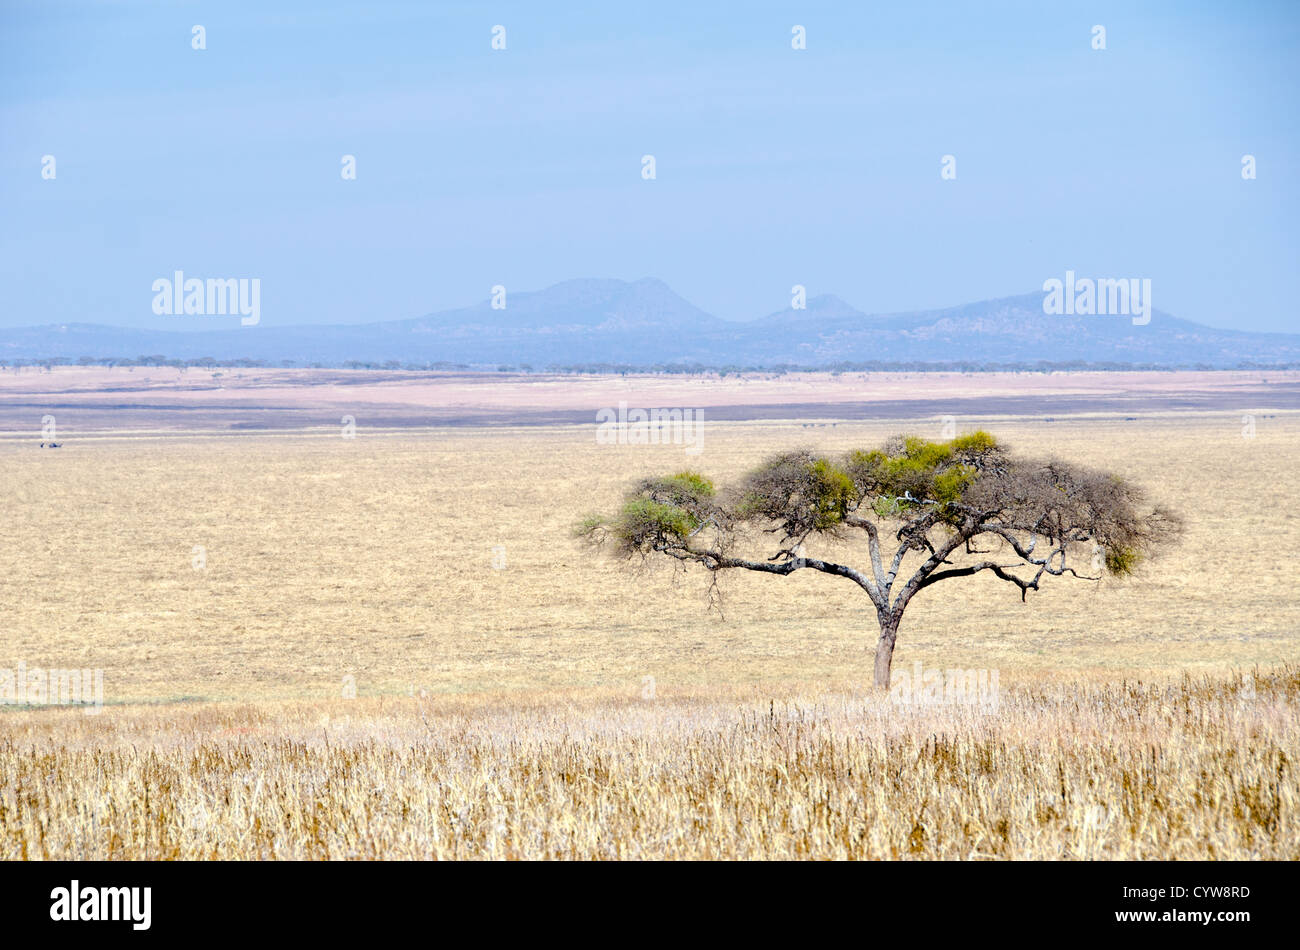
{"x":392,"y":646}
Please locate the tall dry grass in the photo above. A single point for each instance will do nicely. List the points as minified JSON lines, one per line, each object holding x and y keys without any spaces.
{"x":1197,"y":768}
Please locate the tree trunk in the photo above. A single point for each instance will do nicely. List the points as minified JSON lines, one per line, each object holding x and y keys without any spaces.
{"x":885,"y":651}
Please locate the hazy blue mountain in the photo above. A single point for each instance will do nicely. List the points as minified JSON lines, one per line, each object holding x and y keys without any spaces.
{"x":644,"y":322}
{"x":1009,"y":329}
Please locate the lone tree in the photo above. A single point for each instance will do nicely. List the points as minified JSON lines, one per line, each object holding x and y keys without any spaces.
{"x":954,"y":509}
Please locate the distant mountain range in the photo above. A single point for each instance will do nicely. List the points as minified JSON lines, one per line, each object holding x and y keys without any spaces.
{"x":644,"y":323}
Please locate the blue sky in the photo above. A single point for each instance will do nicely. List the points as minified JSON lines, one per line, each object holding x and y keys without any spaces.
{"x":523,"y":167}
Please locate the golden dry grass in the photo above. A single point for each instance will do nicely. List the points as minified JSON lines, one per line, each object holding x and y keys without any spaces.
{"x":1200,"y":768}
{"x":371,"y":558}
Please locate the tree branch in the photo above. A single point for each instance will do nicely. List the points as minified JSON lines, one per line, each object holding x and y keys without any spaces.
{"x":1001,"y":570}
{"x":717,"y":561}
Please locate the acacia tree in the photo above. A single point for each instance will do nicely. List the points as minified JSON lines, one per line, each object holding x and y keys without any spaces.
{"x":952,"y":509}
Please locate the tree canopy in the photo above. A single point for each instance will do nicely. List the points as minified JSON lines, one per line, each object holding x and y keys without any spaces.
{"x":953,"y":508}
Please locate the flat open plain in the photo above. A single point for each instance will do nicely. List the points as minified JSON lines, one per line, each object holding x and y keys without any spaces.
{"x":328,"y":562}
{"x":123,"y":399}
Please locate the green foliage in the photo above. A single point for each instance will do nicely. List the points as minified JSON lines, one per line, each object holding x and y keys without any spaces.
{"x":802,"y":492}
{"x":961,"y":488}
{"x":928,"y":471}
{"x":886,"y":506}
{"x":659,"y":512}
{"x":921,"y":454}
{"x":979,"y":442}
{"x":690,"y":483}
{"x":1122,"y":560}
{"x":749,"y":505}
{"x":951,"y":482}
{"x":799,"y":491}
{"x":646,"y":516}
{"x":833,"y":494}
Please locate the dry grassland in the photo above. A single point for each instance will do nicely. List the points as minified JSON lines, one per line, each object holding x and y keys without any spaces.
{"x":371,"y":559}
{"x":1201,"y":768}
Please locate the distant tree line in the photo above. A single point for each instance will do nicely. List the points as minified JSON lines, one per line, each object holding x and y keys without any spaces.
{"x":626,"y":369}
{"x":881,"y":366}
{"x":208,"y":362}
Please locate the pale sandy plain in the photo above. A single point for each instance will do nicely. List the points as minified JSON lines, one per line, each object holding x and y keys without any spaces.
{"x":123,"y":399}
